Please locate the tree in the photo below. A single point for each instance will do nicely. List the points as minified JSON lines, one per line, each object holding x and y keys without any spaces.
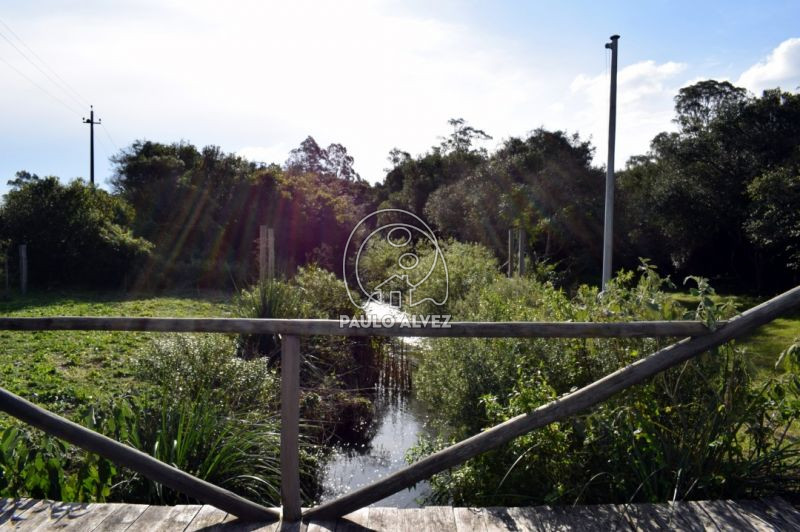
{"x":76,"y":234}
{"x":689,"y":202}
{"x":698,"y":105}
{"x":463,"y":136}
{"x":774,"y":221}
{"x":333,"y":161}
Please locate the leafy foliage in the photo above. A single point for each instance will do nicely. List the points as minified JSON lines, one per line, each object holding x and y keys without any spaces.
{"x":704,"y":429}
{"x":75,"y":234}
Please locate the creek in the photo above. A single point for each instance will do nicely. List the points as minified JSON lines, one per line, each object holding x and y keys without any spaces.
{"x":399,"y":421}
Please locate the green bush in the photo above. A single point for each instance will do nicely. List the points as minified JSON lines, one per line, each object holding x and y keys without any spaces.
{"x":196,"y":365}
{"x":700,"y":430}
{"x":468,"y":266}
{"x":76,"y":234}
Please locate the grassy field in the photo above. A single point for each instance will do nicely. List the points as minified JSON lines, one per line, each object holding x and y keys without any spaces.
{"x":62,"y":369}
{"x":765,"y":345}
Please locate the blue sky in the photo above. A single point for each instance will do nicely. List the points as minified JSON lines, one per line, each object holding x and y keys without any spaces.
{"x":256,"y":77}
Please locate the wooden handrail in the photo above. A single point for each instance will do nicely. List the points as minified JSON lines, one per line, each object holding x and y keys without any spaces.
{"x":138,"y":461}
{"x":303,"y":327}
{"x":561,"y":408}
{"x":700,"y":339}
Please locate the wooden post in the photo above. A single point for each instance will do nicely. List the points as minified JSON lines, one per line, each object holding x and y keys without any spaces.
{"x":510,"y":252}
{"x":262,"y":253}
{"x":23,"y":268}
{"x":522,"y":246}
{"x":290,"y":428}
{"x":271,"y":253}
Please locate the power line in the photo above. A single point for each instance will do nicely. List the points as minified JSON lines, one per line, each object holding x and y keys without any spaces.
{"x":63,"y":85}
{"x":108,"y":134}
{"x":54,"y":97}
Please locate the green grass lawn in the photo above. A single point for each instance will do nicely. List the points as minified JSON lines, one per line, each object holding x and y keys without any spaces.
{"x":62,"y":369}
{"x":765,"y":345}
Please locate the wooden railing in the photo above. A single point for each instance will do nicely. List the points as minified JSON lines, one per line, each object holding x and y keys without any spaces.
{"x":697,"y":339}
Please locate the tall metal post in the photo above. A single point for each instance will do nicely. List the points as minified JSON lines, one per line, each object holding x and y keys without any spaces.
{"x":608,"y":228}
{"x":91,"y":123}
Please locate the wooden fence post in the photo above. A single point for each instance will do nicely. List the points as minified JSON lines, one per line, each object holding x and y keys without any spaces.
{"x":271,"y":253}
{"x":23,"y":268}
{"x":290,"y":428}
{"x":262,"y":253}
{"x":510,"y":252}
{"x":522,"y":246}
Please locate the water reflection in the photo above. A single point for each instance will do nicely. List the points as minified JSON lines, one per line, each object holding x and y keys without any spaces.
{"x":399,"y":419}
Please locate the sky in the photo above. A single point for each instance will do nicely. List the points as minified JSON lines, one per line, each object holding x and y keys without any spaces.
{"x":257,"y":77}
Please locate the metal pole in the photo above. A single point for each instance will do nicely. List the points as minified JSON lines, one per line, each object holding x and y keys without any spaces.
{"x":608,"y":229}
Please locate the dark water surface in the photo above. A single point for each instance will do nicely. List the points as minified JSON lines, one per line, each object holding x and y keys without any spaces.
{"x":399,"y":420}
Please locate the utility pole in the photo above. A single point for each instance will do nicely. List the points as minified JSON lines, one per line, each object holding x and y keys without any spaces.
{"x":608,"y":229}
{"x":91,"y":123}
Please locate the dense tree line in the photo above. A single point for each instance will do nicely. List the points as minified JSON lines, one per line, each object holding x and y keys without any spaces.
{"x":718,"y":197}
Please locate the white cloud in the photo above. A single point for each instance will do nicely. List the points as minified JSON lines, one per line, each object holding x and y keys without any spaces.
{"x":645,"y":92}
{"x":781,"y":69}
{"x":277,"y":153}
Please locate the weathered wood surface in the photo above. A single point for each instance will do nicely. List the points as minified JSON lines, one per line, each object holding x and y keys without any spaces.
{"x":561,"y":408}
{"x":757,"y":515}
{"x":290,"y":428}
{"x":136,"y":460}
{"x":303,"y":327}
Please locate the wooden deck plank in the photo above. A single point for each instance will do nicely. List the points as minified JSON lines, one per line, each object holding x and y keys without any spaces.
{"x":357,"y":521}
{"x":758,"y":515}
{"x":17,"y":513}
{"x":498,"y":519}
{"x":384,"y":518}
{"x":752,"y":518}
{"x":122,"y":518}
{"x":40,"y":515}
{"x":166,"y":518}
{"x":469,"y":519}
{"x":647,"y":517}
{"x":775,"y":512}
{"x":234,"y":524}
{"x":688,"y":515}
{"x":321,"y":526}
{"x":525,"y":518}
{"x":83,"y":517}
{"x":206,"y":519}
{"x":600,"y":517}
{"x":14,"y":508}
{"x":725,"y":516}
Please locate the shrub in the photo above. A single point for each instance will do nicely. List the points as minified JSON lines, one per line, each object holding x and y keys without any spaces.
{"x":268,"y":299}
{"x":468,"y":266}
{"x":196,"y":365}
{"x":76,"y":234}
{"x":700,"y":430}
